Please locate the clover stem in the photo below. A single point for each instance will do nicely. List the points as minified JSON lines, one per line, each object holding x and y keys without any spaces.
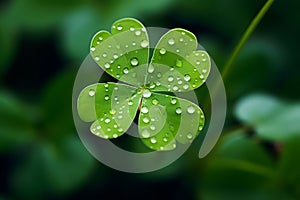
{"x":245,"y":38}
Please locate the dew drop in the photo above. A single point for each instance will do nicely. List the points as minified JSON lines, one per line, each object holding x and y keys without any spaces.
{"x":108,"y":129}
{"x":146,"y":120}
{"x":158,"y":75}
{"x":178,"y":63}
{"x":144,"y":110}
{"x":178,"y":111}
{"x":107,"y":65}
{"x":170,"y":78}
{"x":197,"y":62}
{"x":201,"y":76}
{"x":180,"y":82}
{"x":165,"y":139}
{"x":173,"y":101}
{"x":97,"y":58}
{"x":134,"y":61}
{"x":171,"y":41}
{"x":144,"y":43}
{"x":98,"y":127}
{"x":93,"y":49}
{"x":145,"y":133}
{"x":204,"y":59}
{"x":131,"y":29}
{"x":92,"y":92}
{"x":175,"y":88}
{"x":189,"y":136}
{"x":100,"y":38}
{"x":162,"y":51}
{"x":155,"y":101}
{"x":150,"y":68}
{"x":146,"y":93}
{"x":112,"y":112}
{"x":152,"y":127}
{"x":120,"y":130}
{"x":106,"y":97}
{"x":130,"y":103}
{"x":187,"y":77}
{"x":107,"y":120}
{"x":191,"y":109}
{"x":125,"y":70}
{"x":180,"y":39}
{"x":115,"y":56}
{"x":133,"y":43}
{"x":119,"y":27}
{"x":138,"y":33}
{"x":153,"y":140}
{"x":115,"y":135}
{"x":204,"y":71}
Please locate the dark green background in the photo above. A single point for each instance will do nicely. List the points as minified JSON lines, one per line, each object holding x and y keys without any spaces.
{"x":42,"y":44}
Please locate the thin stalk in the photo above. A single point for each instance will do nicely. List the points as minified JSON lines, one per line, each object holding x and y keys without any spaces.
{"x":245,"y":37}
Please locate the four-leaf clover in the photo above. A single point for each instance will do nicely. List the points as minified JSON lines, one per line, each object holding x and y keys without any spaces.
{"x":147,"y":88}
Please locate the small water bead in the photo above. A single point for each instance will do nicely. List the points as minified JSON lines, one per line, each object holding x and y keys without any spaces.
{"x":197,"y":54}
{"x":201,"y":76}
{"x":204,"y":59}
{"x":165,"y":139}
{"x":180,"y":82}
{"x":175,"y":88}
{"x":144,"y":110}
{"x":152,"y":85}
{"x":178,"y":111}
{"x":120,"y":130}
{"x":180,"y":39}
{"x":118,"y":66}
{"x":138,"y":33}
{"x":92,"y":92}
{"x":115,"y":135}
{"x":204,"y":71}
{"x":197,"y":62}
{"x":171,"y":41}
{"x":107,"y":65}
{"x":189,"y":136}
{"x":112,"y":112}
{"x":97,"y":58}
{"x":117,"y":75}
{"x":108,"y":129}
{"x":146,"y":120}
{"x":134,"y":61}
{"x":150,"y":68}
{"x":100,"y":38}
{"x":158,"y":75}
{"x":173,"y":101}
{"x":125,"y":70}
{"x":145,"y":133}
{"x":178,"y":63}
{"x":115,"y":56}
{"x":201,"y":116}
{"x":162,"y":51}
{"x":120,"y":117}
{"x":106,"y":97}
{"x":104,"y":55}
{"x":152,"y":127}
{"x":144,"y":43}
{"x":93,"y":49}
{"x":187,"y":77}
{"x":107,"y":120}
{"x":153,"y":140}
{"x":177,"y":50}
{"x":191,"y":109}
{"x":133,"y":43}
{"x":170,"y":78}
{"x":115,"y":126}
{"x":119,"y":27}
{"x":200,"y":128}
{"x":131,"y":29}
{"x":155,"y":101}
{"x":130,"y":103}
{"x":146,"y":93}
{"x":98,"y":127}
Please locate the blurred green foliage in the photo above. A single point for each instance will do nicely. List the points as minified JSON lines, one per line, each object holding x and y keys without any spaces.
{"x":42,"y":44}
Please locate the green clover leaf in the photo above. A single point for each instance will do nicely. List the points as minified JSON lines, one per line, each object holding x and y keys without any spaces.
{"x":176,"y":66}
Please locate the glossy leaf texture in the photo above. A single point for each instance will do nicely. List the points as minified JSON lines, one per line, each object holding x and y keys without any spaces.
{"x":176,"y":65}
{"x":165,"y":119}
{"x":124,"y":52}
{"x":110,"y":106}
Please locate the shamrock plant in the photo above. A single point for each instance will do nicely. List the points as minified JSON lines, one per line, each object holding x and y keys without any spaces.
{"x":145,"y":87}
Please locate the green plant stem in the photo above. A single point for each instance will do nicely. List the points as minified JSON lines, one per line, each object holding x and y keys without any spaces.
{"x":245,"y":37}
